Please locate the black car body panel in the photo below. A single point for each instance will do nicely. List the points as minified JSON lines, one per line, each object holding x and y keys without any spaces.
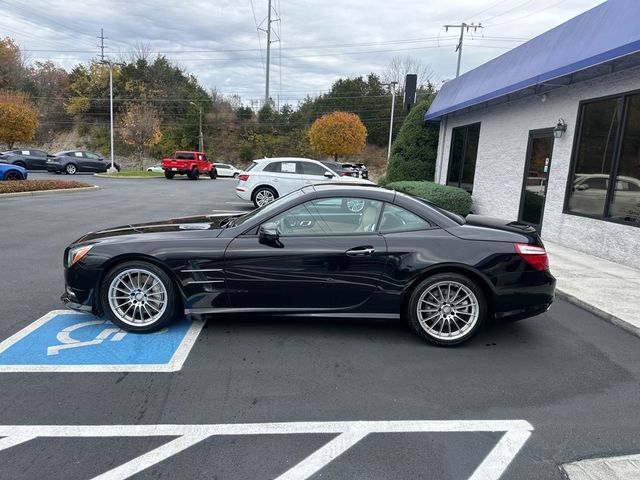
{"x":26,"y":158}
{"x":219,"y":264}
{"x":83,"y":161}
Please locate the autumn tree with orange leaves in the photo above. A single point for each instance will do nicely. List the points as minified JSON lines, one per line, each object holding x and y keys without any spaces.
{"x":18,"y":118}
{"x":140,"y":127}
{"x":338,"y":134}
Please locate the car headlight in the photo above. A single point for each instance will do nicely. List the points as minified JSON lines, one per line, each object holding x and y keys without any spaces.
{"x":77,"y":253}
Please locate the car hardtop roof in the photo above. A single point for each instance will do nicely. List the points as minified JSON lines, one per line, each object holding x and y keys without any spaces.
{"x":355,"y":188}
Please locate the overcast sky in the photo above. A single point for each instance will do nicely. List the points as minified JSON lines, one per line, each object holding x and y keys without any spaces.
{"x":321,"y":41}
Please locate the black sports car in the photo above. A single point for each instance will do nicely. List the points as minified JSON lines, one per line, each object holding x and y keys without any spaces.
{"x":26,"y":158}
{"x":308,"y":253}
{"x":73,"y":161}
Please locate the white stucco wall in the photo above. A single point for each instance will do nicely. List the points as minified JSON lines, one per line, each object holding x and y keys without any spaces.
{"x":504,"y":134}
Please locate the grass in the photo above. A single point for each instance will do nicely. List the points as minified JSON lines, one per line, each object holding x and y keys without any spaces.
{"x":135,"y":173}
{"x":17,"y":186}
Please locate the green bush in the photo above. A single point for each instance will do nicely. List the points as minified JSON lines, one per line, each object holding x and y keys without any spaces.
{"x":454,"y":199}
{"x":413,"y":153}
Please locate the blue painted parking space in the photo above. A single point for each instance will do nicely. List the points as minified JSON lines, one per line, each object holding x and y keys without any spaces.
{"x":67,"y":341}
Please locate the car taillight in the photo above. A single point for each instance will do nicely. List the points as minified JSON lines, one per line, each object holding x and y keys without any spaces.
{"x":243,"y":177}
{"x":534,"y":255}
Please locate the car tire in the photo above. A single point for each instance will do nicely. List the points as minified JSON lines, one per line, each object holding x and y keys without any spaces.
{"x":57,"y":172}
{"x":446,"y":309}
{"x":13,"y":175}
{"x":168,"y":175}
{"x":213,"y":174}
{"x":145,"y":308}
{"x":70,"y":169}
{"x":193,"y":174}
{"x":263,"y":196}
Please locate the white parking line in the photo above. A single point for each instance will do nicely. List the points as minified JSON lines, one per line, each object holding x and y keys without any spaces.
{"x":349,"y":433}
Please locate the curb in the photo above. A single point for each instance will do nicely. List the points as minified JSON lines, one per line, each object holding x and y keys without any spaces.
{"x":606,"y":316}
{"x":46,"y":192}
{"x":124,"y":177}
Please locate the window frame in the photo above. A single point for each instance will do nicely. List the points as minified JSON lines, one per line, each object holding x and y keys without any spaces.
{"x":623,"y":98}
{"x":464,"y":150}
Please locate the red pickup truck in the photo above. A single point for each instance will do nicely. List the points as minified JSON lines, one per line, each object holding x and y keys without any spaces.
{"x":191,"y":164}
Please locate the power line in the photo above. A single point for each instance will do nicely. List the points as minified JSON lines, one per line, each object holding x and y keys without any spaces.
{"x":520,"y":5}
{"x":527,"y":15}
{"x":486,"y":9}
{"x":463,"y":26}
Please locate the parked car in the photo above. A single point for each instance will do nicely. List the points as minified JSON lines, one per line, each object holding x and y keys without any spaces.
{"x":9,"y":171}
{"x":74,"y":161}
{"x":191,"y":164}
{"x":359,"y":169}
{"x":306,"y":254}
{"x":267,"y":179}
{"x":226,"y":170}
{"x":590,"y":190}
{"x":155,"y":169}
{"x":27,"y":158}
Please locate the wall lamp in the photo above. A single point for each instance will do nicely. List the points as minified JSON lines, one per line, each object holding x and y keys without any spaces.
{"x":560,"y":128}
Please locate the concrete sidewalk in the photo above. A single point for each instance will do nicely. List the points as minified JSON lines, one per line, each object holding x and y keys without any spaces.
{"x":608,"y":289}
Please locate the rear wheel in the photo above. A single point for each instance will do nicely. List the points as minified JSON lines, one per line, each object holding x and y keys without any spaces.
{"x":13,"y":175}
{"x":71,"y":169}
{"x":447,"y":309}
{"x":263,"y":196}
{"x":193,"y":174}
{"x":138,"y":297}
{"x":168,"y":174}
{"x":213,"y":174}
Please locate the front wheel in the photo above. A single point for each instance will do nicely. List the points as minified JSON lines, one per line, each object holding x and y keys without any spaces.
{"x":168,"y":174}
{"x":447,"y":309}
{"x":71,"y":169}
{"x":213,"y":174}
{"x":263,"y":196}
{"x":138,"y":297}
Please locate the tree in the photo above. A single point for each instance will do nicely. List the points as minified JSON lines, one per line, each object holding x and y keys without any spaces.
{"x":400,"y":66}
{"x":140,"y":127}
{"x":338,"y":134}
{"x":18,"y":121}
{"x":12,"y":68}
{"x":413,"y":154}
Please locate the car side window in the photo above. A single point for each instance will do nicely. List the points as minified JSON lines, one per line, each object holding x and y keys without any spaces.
{"x":309,"y":168}
{"x":272,"y":167}
{"x":330,"y":216}
{"x":90,"y":155}
{"x":398,"y":219}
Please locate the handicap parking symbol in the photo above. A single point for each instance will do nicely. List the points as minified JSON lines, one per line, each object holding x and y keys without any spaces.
{"x":68,"y":341}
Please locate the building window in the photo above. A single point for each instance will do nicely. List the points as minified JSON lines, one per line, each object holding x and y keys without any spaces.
{"x":607,"y":147}
{"x":462,"y":157}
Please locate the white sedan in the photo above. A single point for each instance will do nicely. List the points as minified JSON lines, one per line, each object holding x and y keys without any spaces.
{"x":155,"y":169}
{"x":226,"y":170}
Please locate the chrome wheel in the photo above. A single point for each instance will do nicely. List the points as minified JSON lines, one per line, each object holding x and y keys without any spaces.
{"x":70,"y":169}
{"x":137,"y":297}
{"x":447,"y":310}
{"x":263,"y":197}
{"x":355,"y":204}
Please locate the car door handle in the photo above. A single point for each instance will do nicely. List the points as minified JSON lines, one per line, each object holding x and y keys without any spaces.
{"x":357,"y":251}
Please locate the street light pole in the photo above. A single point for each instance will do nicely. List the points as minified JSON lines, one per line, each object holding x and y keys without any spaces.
{"x":392,"y":86}
{"x":200,"y":137}
{"x":112,"y":168}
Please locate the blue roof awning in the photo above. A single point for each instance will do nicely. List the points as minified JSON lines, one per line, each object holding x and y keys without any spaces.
{"x":599,"y":36}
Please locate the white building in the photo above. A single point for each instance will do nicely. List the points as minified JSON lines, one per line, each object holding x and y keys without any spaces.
{"x":537,"y":133}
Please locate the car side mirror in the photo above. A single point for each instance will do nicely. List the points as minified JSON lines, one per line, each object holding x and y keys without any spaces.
{"x":328,"y":174}
{"x":268,"y":234}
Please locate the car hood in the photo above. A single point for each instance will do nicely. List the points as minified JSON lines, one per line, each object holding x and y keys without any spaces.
{"x":171,"y":226}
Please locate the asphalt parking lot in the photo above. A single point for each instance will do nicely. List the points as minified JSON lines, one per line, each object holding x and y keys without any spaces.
{"x":284,"y":398}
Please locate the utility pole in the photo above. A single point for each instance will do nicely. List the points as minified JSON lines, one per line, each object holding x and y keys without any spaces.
{"x":101,"y":46}
{"x":200,"y":137}
{"x":269,"y":42}
{"x":463,"y":26}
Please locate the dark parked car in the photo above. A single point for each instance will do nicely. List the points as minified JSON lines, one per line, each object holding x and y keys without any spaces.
{"x":27,"y":158}
{"x":340,"y":169}
{"x":74,"y":161}
{"x":12,"y":172}
{"x":307,"y":253}
{"x":360,"y":169}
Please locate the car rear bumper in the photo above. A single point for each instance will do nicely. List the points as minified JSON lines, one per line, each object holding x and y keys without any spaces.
{"x":243,"y":193}
{"x":527,"y":300}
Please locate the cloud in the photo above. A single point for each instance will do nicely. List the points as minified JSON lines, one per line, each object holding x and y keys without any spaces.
{"x":320,"y":41}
